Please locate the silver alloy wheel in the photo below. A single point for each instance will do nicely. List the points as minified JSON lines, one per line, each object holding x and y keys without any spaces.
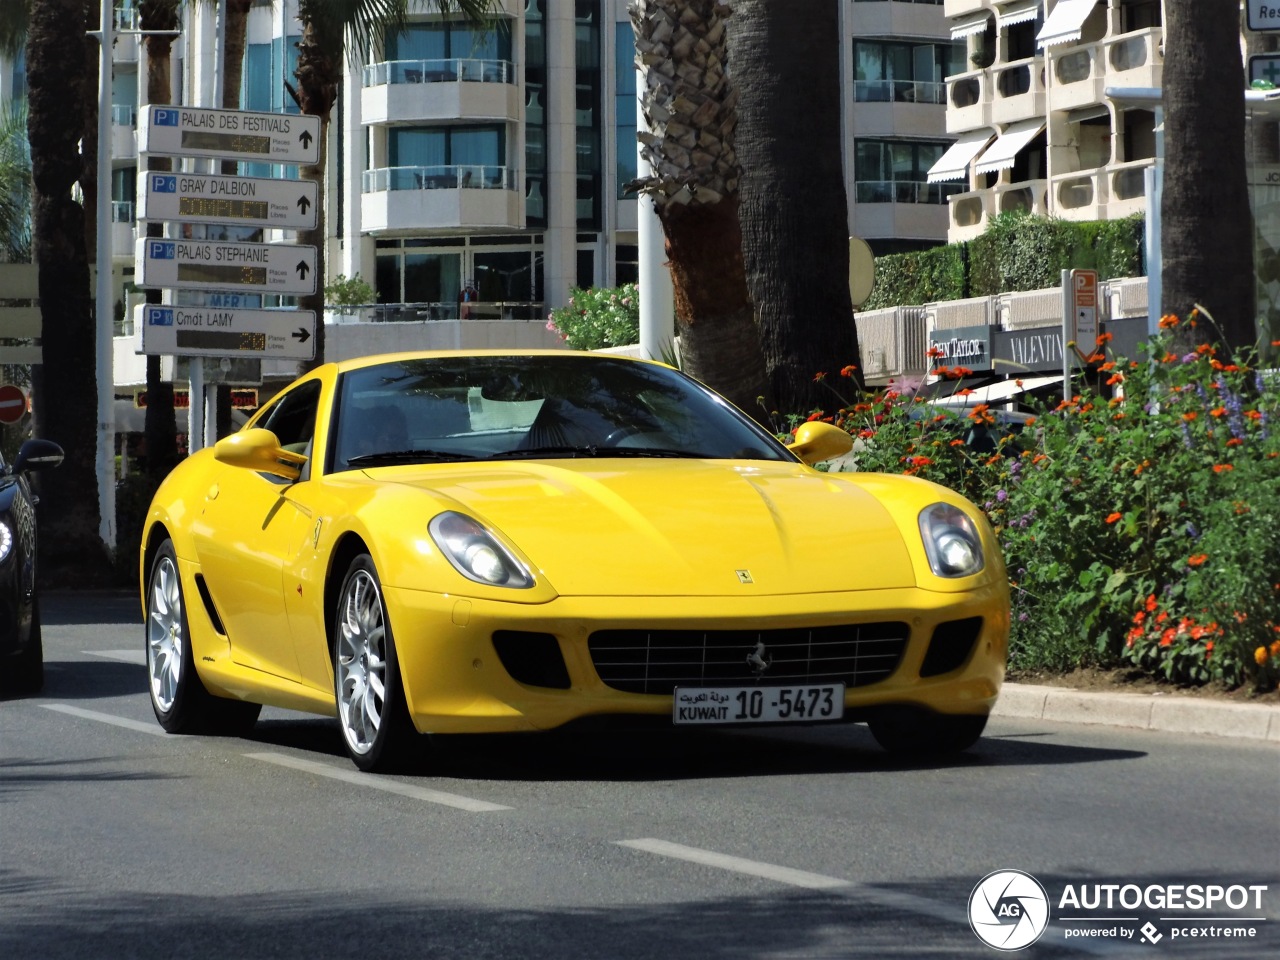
{"x":361,"y":662}
{"x":165,"y":639}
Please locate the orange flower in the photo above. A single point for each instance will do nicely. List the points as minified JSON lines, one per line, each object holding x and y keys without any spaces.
{"x":1197,"y":560}
{"x":1218,"y":412}
{"x":1260,"y":655}
{"x":963,"y":393}
{"x":1140,"y":616}
{"x":1167,"y":321}
{"x":1204,"y":348}
{"x":1115,"y":378}
{"x":1112,"y":518}
{"x":1275,"y":647}
{"x":1109,"y":365}
{"x":1151,"y":602}
{"x":848,"y":371}
{"x":1235,"y":442}
{"x":1104,"y":338}
{"x":1222,"y":467}
{"x":1166,"y":638}
{"x":1190,"y":416}
{"x":934,"y":353}
{"x":1162,"y":616}
{"x":957,"y":443}
{"x":1253,"y":414}
{"x":920,"y":461}
{"x":818,"y":377}
{"x":1169,"y":358}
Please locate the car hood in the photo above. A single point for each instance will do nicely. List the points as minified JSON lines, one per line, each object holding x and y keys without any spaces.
{"x":595,"y":527}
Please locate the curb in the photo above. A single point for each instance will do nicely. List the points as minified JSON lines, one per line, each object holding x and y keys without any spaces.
{"x":1241,"y":721}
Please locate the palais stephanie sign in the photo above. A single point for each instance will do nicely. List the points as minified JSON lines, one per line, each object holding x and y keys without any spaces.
{"x":1010,"y":910}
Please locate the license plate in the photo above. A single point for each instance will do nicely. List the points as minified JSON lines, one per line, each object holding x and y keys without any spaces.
{"x":804,"y":704}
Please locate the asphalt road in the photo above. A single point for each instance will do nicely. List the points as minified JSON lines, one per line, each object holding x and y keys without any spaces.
{"x":117,"y":840}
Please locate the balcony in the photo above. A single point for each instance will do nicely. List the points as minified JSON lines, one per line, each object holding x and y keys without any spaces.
{"x":1029,"y":196}
{"x":124,"y":140}
{"x":1080,"y":195}
{"x":969,"y":101}
{"x":1126,"y":188}
{"x":408,"y":91}
{"x":970,"y":213}
{"x":122,"y":229}
{"x":1079,"y":76}
{"x":1134,"y":59}
{"x":403,"y":200}
{"x":1019,"y":90}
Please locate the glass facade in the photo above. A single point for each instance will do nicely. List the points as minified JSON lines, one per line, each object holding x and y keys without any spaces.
{"x":587,"y":99}
{"x":904,"y":71}
{"x":896,"y":171}
{"x":624,"y":100}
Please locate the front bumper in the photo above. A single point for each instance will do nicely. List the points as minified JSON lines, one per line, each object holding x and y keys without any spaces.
{"x":455,"y":681}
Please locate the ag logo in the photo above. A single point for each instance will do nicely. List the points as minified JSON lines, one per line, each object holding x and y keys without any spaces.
{"x":1008,"y":910}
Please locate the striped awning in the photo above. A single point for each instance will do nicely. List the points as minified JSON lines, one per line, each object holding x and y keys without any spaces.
{"x":1065,"y":22}
{"x":1017,"y":11}
{"x":970,"y":24}
{"x":954,"y":164}
{"x":1004,"y":151}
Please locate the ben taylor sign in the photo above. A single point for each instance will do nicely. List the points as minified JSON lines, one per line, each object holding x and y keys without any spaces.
{"x":961,"y":347}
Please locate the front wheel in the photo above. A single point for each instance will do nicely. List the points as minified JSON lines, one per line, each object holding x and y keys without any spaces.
{"x":913,"y":732}
{"x":178,"y":697}
{"x":376,"y":729}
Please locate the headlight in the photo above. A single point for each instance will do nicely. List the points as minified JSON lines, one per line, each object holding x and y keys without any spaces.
{"x":951,"y":541}
{"x":476,"y":554}
{"x":6,"y":541}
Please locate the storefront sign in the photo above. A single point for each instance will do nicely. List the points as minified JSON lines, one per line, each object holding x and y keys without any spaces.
{"x":968,"y":347}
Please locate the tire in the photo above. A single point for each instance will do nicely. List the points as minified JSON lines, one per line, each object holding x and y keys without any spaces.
{"x":376,"y":730}
{"x":27,"y":676}
{"x":908,"y":731}
{"x":178,"y":697}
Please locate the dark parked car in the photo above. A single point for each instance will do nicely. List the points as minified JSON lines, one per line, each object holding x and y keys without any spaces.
{"x":21,"y":652}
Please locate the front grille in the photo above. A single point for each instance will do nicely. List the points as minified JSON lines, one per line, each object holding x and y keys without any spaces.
{"x":658,"y":661}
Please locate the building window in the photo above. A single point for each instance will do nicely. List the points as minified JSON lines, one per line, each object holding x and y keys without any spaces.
{"x":903,"y":72}
{"x":587,"y":111}
{"x":896,"y":171}
{"x":625,"y":105}
{"x":535,"y":116}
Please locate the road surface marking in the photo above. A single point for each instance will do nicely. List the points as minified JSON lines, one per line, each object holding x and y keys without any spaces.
{"x":131,"y":655}
{"x":722,"y":861}
{"x":138,"y":725}
{"x":379,"y":783}
{"x":905,"y":902}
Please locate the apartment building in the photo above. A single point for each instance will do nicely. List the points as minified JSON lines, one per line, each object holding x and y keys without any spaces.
{"x":1034,"y":128}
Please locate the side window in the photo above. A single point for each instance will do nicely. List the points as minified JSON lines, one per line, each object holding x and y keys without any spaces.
{"x":292,"y":418}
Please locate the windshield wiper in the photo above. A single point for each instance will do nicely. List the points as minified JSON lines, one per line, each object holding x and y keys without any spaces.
{"x":591,"y":450}
{"x":405,"y":456}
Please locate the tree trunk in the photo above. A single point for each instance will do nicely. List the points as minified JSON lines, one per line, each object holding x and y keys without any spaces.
{"x":795,"y":225}
{"x":690,"y":106}
{"x":1206,"y":230}
{"x":160,"y":424}
{"x":71,"y":548}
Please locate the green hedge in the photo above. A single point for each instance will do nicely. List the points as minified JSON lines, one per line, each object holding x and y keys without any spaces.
{"x":1018,"y":251}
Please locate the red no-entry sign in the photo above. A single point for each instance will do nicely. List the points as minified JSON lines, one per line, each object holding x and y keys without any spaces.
{"x":13,"y":403}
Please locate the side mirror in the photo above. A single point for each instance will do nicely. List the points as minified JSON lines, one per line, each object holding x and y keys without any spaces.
{"x":37,"y":455}
{"x":260,"y":451}
{"x":816,"y":441}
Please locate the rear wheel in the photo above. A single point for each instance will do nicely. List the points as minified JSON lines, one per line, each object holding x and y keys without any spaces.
{"x":28,"y":669}
{"x":178,"y":697}
{"x":913,"y":732}
{"x":376,"y":729}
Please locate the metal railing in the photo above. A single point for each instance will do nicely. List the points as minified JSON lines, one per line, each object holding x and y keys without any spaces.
{"x":122,"y":211}
{"x":124,"y":115}
{"x":899,"y":91}
{"x":451,"y":310}
{"x":439,"y":71}
{"x":904,"y":191}
{"x":444,"y":177}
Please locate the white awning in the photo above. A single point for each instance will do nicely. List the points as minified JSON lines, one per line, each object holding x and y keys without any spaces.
{"x":997,"y":392}
{"x":1004,"y":151}
{"x":1065,"y":22}
{"x":1018,"y":11}
{"x":954,"y":164}
{"x":970,"y":24}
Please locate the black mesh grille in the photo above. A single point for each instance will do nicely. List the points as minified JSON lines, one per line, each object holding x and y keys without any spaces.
{"x":532,"y":658}
{"x":658,"y":661}
{"x":951,"y":645}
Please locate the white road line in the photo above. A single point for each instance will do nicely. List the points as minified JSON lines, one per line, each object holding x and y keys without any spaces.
{"x":379,"y":783}
{"x":124,"y":656}
{"x":137,"y":725}
{"x":722,"y":861}
{"x":905,"y":902}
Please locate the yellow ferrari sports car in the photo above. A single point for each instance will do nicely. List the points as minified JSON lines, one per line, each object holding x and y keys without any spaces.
{"x":512,"y":541}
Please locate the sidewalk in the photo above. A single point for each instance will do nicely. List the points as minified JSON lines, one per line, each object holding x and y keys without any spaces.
{"x":1172,"y":714}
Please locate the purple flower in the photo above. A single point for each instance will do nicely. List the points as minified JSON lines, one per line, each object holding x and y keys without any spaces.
{"x":1023,"y":618}
{"x":1001,"y":496}
{"x":1190,"y":357}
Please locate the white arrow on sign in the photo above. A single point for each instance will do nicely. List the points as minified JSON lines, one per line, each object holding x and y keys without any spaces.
{"x":216,"y":265}
{"x":213,"y":332}
{"x":245,"y":201}
{"x":230,"y":134}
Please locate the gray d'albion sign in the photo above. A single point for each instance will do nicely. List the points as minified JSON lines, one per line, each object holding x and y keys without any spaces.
{"x":961,"y":347}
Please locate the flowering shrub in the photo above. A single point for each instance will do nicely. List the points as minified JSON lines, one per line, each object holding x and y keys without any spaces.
{"x":1140,"y":519}
{"x":598,"y":317}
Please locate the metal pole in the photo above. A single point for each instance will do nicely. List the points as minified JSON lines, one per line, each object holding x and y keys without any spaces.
{"x":219,"y":84}
{"x":104,"y":315}
{"x":657,"y":297}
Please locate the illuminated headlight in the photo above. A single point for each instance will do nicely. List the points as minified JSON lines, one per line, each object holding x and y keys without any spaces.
{"x":951,"y":541}
{"x":6,"y":541}
{"x":476,"y":554}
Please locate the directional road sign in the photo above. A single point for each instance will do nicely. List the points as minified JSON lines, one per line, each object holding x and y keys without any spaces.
{"x":1264,"y":14}
{"x":230,"y":134}
{"x":215,"y":265}
{"x":243,"y":201}
{"x":211,"y":332}
{"x":1265,"y":66}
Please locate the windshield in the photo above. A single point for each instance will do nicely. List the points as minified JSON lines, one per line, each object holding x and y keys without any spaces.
{"x":534,"y":407}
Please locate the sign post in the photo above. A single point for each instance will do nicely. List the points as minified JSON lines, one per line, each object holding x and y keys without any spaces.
{"x":1084,"y":308}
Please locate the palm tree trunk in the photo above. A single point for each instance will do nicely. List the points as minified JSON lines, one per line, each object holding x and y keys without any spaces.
{"x":690,"y":106}
{"x":70,"y":546}
{"x":795,"y":225}
{"x":160,"y":424}
{"x":1206,"y":226}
